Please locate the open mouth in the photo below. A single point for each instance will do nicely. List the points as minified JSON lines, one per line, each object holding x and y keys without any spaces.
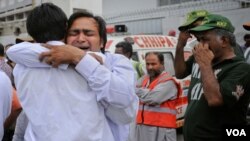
{"x":84,"y":47}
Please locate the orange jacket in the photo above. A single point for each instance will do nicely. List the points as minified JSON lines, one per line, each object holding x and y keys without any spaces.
{"x":163,"y":115}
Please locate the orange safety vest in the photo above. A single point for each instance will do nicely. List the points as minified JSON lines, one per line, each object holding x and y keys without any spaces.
{"x":163,"y":115}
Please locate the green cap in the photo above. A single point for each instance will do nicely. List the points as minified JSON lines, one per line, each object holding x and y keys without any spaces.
{"x":192,"y":17}
{"x":213,"y":21}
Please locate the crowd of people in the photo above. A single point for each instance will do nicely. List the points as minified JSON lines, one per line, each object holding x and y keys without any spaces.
{"x":65,"y":87}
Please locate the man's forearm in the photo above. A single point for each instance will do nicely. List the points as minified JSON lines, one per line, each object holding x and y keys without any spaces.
{"x":211,"y":86}
{"x":179,"y":62}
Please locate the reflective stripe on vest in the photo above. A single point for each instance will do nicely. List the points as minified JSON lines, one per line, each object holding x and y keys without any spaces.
{"x":163,"y":115}
{"x":158,"y":109}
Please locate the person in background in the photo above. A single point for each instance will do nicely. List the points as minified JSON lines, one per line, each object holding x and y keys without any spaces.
{"x":247,"y":51}
{"x":9,"y":62}
{"x":157,"y":92}
{"x":5,"y":100}
{"x":126,"y":49}
{"x":214,"y":100}
{"x":3,"y":65}
{"x":172,"y":33}
{"x":246,"y":26}
{"x":9,"y":123}
{"x":247,"y":43}
{"x":116,"y":102}
{"x":193,"y":19}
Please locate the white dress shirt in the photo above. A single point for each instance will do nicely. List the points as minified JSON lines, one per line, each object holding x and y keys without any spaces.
{"x":5,"y":100}
{"x":91,"y":102}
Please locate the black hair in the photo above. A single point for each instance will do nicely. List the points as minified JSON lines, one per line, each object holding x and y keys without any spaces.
{"x":47,"y":22}
{"x":126,"y":47}
{"x":158,"y":54}
{"x":246,"y":36}
{"x":1,"y":50}
{"x":99,"y":20}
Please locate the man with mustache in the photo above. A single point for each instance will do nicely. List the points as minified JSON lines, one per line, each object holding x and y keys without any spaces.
{"x":157,"y":92}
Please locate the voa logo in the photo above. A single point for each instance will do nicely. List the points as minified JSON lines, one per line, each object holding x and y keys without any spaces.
{"x":236,"y":132}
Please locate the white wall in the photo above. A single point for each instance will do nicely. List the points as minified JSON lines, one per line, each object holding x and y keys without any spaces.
{"x":65,"y":5}
{"x":238,"y":17}
{"x":6,"y":5}
{"x":120,"y":6}
{"x":94,"y":6}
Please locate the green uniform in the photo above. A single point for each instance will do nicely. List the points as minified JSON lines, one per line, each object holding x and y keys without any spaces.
{"x":204,"y":123}
{"x":138,"y":68}
{"x":237,"y":50}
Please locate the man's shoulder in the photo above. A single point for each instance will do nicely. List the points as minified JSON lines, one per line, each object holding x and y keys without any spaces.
{"x":23,"y":45}
{"x":236,"y":64}
{"x":235,"y":69}
{"x":115,"y":57}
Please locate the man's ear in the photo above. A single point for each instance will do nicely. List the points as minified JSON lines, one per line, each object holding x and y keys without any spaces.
{"x":128,"y":54}
{"x":224,"y":41}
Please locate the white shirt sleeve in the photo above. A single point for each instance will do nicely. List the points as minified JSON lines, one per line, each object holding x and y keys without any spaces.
{"x":27,"y":54}
{"x":114,"y":87}
{"x":5,"y":99}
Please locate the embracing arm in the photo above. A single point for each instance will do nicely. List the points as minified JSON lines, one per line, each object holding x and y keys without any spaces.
{"x":27,"y":54}
{"x":114,"y":87}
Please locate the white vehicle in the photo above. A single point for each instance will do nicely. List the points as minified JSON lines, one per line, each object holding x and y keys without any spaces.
{"x":165,"y":44}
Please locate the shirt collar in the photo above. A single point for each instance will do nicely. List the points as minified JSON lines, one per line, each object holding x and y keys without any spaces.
{"x":55,"y":43}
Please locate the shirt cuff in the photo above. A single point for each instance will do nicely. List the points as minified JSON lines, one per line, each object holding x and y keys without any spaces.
{"x":87,"y":66}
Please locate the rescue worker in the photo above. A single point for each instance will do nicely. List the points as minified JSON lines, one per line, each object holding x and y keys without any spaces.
{"x":157,"y":92}
{"x":126,"y":49}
